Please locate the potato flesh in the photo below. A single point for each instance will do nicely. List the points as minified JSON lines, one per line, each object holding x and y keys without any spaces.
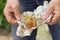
{"x":30,"y":22}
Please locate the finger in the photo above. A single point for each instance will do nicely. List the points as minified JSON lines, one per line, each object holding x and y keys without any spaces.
{"x":9,"y":17}
{"x":17,"y":13}
{"x":49,"y":10}
{"x":55,"y":18}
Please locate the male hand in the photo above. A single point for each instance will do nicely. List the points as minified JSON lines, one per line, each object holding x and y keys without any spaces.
{"x":11,"y":11}
{"x":53,"y":8}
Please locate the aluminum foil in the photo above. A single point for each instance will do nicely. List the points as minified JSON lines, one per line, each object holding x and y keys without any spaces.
{"x":38,"y":13}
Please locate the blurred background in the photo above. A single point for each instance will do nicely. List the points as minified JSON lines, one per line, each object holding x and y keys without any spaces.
{"x":4,"y":25}
{"x":5,"y":29}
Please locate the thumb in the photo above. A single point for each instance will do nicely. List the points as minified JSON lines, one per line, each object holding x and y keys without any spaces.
{"x":17,"y":13}
{"x":48,"y":11}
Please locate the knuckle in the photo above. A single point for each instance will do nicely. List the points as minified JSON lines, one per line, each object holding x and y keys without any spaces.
{"x":9,"y":21}
{"x":5,"y":9}
{"x":4,"y":12}
{"x":15,"y":6}
{"x":51,"y":24}
{"x":58,"y":15}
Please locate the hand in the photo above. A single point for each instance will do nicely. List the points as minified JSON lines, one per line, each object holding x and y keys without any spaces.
{"x":11,"y":11}
{"x":53,"y":8}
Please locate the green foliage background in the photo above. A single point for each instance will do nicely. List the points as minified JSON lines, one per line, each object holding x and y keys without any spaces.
{"x":3,"y":22}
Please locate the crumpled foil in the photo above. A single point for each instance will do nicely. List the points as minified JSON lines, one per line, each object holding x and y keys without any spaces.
{"x":37,"y":14}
